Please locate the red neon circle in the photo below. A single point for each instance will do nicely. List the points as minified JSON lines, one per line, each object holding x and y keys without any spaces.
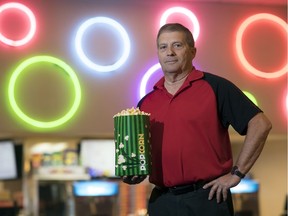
{"x":242,"y":58}
{"x":31,"y":18}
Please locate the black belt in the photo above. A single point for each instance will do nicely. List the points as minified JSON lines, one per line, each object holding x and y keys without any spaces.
{"x":181,"y":189}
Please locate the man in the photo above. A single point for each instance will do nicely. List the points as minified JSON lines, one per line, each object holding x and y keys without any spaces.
{"x":191,"y":110}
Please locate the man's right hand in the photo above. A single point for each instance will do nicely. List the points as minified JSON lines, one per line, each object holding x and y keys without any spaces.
{"x":133,"y":179}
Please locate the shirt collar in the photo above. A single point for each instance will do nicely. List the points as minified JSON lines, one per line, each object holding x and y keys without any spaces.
{"x":193,"y":76}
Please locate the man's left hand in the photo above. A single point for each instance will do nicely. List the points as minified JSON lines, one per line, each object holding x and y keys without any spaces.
{"x":221,"y":185}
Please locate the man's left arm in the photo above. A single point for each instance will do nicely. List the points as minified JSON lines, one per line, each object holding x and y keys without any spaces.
{"x":257,"y":131}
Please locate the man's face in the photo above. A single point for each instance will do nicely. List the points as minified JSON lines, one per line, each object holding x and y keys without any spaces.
{"x":175,"y":55}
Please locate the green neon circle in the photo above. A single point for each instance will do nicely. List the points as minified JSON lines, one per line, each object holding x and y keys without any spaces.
{"x":251,"y":97}
{"x":26,"y":118}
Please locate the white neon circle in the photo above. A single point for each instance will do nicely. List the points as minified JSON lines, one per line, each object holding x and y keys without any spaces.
{"x":242,"y":58}
{"x":146,"y":77}
{"x":31,"y":18}
{"x":186,"y":12}
{"x":86,"y":60}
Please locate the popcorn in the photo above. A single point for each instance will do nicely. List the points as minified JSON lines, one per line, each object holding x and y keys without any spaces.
{"x":132,"y":142}
{"x":131,"y":111}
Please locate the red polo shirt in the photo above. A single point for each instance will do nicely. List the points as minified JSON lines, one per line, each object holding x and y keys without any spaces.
{"x":189,"y":130}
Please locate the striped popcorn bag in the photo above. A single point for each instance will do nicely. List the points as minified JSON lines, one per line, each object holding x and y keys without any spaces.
{"x":132,"y":142}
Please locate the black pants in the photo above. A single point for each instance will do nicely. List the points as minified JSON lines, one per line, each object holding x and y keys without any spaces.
{"x":194,"y":203}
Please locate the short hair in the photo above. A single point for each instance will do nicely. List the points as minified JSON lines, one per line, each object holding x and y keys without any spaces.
{"x":173,"y":27}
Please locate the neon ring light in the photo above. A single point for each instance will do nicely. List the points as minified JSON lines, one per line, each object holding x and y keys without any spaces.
{"x":31,"y":18}
{"x":146,"y":77}
{"x":251,"y":97}
{"x":86,"y":60}
{"x":242,"y":58}
{"x":186,"y":12}
{"x":26,"y":118}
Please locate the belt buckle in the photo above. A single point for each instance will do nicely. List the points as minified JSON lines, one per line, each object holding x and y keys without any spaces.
{"x":172,"y":189}
{"x":182,"y":189}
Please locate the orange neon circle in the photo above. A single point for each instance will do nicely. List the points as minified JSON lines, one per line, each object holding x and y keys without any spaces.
{"x":242,"y":58}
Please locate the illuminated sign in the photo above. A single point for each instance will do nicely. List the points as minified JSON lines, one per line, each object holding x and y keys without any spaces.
{"x":95,"y":188}
{"x":31,"y":17}
{"x":11,"y":92}
{"x":83,"y":56}
{"x":246,"y":186}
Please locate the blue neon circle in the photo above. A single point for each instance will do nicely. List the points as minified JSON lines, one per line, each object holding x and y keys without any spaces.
{"x":124,"y":36}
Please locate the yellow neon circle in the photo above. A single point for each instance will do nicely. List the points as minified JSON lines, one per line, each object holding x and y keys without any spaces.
{"x":23,"y":116}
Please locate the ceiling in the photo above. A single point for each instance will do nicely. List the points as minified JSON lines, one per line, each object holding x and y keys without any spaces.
{"x":266,"y":2}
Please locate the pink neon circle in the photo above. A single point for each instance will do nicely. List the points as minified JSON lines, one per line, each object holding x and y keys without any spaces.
{"x":242,"y":58}
{"x":186,"y":12}
{"x":31,"y":17}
